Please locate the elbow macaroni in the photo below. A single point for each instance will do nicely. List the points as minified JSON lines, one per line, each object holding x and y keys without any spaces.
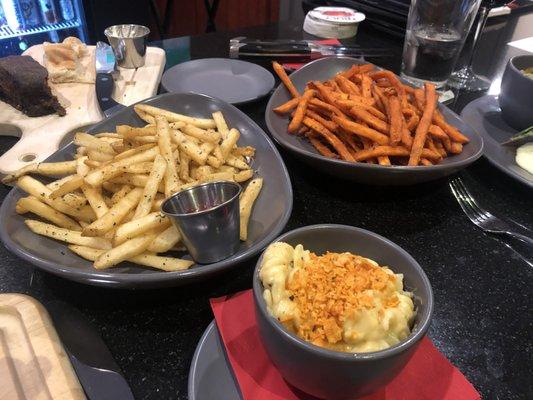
{"x":365,"y":310}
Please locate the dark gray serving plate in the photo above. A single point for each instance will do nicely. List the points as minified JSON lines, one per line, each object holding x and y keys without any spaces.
{"x":269,"y":216}
{"x":484,"y":115}
{"x":234,"y":81}
{"x":324,"y":69}
{"x":210,"y":375}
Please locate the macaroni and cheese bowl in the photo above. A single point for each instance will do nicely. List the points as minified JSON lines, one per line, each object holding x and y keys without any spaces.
{"x":350,"y":368}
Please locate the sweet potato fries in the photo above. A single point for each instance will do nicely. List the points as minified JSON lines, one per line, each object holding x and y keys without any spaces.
{"x":368,"y":115}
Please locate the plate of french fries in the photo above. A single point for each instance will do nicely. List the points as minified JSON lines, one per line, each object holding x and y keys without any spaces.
{"x":91,"y":212}
{"x":356,"y":121}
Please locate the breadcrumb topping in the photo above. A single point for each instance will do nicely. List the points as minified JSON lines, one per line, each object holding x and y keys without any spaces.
{"x":329,"y":288}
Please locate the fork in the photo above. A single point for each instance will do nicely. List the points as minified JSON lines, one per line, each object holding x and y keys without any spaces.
{"x":482,"y":218}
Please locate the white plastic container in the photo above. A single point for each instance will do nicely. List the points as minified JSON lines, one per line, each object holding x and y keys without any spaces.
{"x":333,"y":22}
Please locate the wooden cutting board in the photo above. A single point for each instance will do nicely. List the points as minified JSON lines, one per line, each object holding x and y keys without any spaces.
{"x":33,"y":362}
{"x":41,"y":136}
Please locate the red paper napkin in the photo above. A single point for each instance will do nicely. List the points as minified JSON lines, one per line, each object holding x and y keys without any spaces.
{"x":295,"y":66}
{"x":427,"y":376}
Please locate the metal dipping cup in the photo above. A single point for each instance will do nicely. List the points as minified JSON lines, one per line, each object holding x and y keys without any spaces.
{"x":207,"y":217}
{"x":129,"y":44}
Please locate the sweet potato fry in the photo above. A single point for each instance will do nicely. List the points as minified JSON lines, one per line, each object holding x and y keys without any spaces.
{"x":285,"y":79}
{"x":288,"y":106}
{"x":299,"y":114}
{"x":366,"y":86}
{"x":450,"y":130}
{"x":322,"y":148}
{"x":393,"y":79}
{"x":395,"y":120}
{"x":423,"y":126}
{"x":329,"y":137}
{"x":425,"y":161}
{"x":407,"y":139}
{"x":391,"y":151}
{"x":325,"y":106}
{"x":456,"y":148}
{"x":347,"y":85}
{"x":332,"y":126}
{"x":369,"y":119}
{"x":361,"y":130}
{"x":384,"y":160}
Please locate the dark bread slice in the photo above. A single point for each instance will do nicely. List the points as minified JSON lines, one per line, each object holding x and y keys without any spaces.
{"x":24,"y":85}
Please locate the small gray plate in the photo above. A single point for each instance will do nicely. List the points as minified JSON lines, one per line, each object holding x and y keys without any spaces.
{"x":484,"y":115}
{"x":210,"y":375}
{"x":270,"y":214}
{"x":234,"y":81}
{"x":372,"y":174}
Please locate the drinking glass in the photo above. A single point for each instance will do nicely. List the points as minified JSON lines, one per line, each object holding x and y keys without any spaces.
{"x":465,"y":77}
{"x":436,"y":32}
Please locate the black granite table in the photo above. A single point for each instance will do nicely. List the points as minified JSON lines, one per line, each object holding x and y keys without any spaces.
{"x":483,"y":295}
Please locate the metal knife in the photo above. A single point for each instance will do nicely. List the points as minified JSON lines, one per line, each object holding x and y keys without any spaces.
{"x":95,"y":367}
{"x":105,"y":68}
{"x":294,"y":50}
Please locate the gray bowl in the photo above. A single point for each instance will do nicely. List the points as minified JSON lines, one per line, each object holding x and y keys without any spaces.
{"x":371,"y":174}
{"x":335,"y":375}
{"x":516,"y":99}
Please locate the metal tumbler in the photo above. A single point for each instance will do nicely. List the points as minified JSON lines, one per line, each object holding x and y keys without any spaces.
{"x":129,"y":44}
{"x":207,"y":217}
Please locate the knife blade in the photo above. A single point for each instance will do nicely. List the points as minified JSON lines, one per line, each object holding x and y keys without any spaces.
{"x":293,"y":50}
{"x":93,"y":363}
{"x":104,"y":84}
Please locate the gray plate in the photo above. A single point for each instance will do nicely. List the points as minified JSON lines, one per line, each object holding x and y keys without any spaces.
{"x":484,"y":115}
{"x":234,"y":81}
{"x":324,"y":69}
{"x":269,"y":216}
{"x":210,"y":375}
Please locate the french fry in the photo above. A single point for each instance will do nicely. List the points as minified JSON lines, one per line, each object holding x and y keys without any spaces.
{"x":93,"y":143}
{"x":246,"y":203}
{"x":423,"y":126}
{"x":47,"y":169}
{"x":124,"y":251}
{"x":227,"y":144}
{"x":96,"y":177}
{"x":150,"y":189}
{"x":285,"y":79}
{"x":221,"y":124}
{"x":41,"y":192}
{"x":170,"y":174}
{"x":202,"y":134}
{"x":243,"y":176}
{"x":95,"y":199}
{"x":119,"y":194}
{"x":175,"y":117}
{"x":31,"y":204}
{"x":141,"y":225}
{"x":169,"y":264}
{"x":66,"y":235}
{"x":165,"y":241}
{"x":115,"y":214}
{"x":135,"y":150}
{"x":82,"y":169}
{"x":74,"y":183}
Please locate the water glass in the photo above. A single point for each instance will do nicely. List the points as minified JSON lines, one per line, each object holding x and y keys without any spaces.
{"x":436,"y":32}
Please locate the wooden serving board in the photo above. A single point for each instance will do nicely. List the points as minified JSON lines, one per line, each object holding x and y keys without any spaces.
{"x":41,"y":136}
{"x":33,"y":363}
